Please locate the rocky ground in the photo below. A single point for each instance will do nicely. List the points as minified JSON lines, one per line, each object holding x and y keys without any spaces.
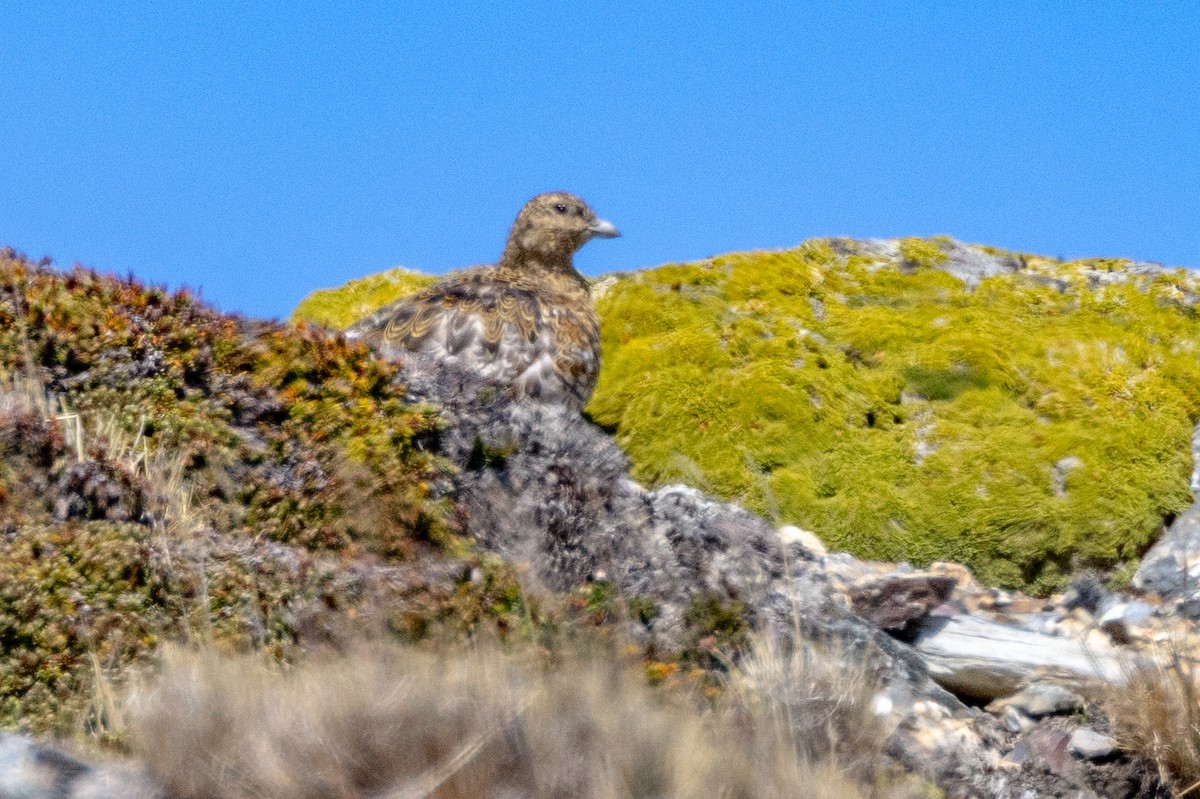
{"x":984,"y":692}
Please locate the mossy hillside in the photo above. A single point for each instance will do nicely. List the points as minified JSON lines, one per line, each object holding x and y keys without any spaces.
{"x":1033,"y":425}
{"x":1016,"y":428}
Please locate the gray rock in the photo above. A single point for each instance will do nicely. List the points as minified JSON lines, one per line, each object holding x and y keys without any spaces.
{"x":1172,"y":566}
{"x":1087,"y":592}
{"x":986,"y":660}
{"x":1118,"y":619}
{"x":1061,"y":471}
{"x":972,"y":265}
{"x":897,"y":602}
{"x":543,"y":487}
{"x":30,"y":770}
{"x":1091,"y":745}
{"x":1015,"y":721}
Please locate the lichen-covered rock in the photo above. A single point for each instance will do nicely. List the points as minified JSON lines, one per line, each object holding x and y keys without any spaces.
{"x":541,"y":485}
{"x":897,"y":603}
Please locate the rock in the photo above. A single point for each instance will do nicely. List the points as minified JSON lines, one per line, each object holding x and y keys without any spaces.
{"x":963,"y":579}
{"x":998,"y":599}
{"x":29,"y":770}
{"x":896,"y":603}
{"x":972,"y":264}
{"x":546,"y":489}
{"x":790,"y":534}
{"x":1172,"y":566}
{"x":1040,"y":699}
{"x":1091,"y":745}
{"x":1050,"y":747}
{"x":845,"y":570}
{"x":1086,"y":592}
{"x":95,"y":490}
{"x":976,"y":658}
{"x":1120,"y":617}
{"x":1015,"y":721}
{"x":967,"y":262}
{"x":1061,"y":471}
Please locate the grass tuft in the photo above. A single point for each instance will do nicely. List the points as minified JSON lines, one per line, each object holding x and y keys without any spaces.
{"x":1155,"y":712}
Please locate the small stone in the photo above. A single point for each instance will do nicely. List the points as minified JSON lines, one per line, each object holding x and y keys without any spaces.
{"x":1025,"y":605}
{"x":930,"y":710}
{"x":1085,"y":592}
{"x":1020,"y":754}
{"x":1050,"y":747}
{"x":1091,"y":745}
{"x":1016,"y":721}
{"x":961,"y":574}
{"x":1000,"y":598}
{"x":1096,"y":639}
{"x":1117,"y":619}
{"x":1080,"y":617}
{"x":1190,"y":608}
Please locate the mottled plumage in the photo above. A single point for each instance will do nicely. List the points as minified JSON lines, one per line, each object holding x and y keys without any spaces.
{"x":527,"y":323}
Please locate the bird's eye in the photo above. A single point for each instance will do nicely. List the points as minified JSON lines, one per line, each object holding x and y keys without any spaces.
{"x":560,"y":208}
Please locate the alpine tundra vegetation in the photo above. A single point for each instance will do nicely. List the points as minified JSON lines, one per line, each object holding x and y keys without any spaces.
{"x":914,"y":399}
{"x":175,"y":477}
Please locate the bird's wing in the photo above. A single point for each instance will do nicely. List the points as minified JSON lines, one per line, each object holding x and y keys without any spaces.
{"x":472,"y":313}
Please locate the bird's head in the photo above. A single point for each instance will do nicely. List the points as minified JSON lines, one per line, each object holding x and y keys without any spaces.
{"x":550,"y":228}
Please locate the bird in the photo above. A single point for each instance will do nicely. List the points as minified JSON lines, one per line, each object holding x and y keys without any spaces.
{"x":525,"y":324}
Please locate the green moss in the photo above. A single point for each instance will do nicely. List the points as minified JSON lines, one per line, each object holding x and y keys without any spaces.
{"x":341,"y":307}
{"x":817,"y":420}
{"x":942,"y":384}
{"x":924,"y":253}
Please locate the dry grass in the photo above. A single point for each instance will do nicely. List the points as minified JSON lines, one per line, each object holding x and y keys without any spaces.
{"x":103,"y":437}
{"x":820,"y":699}
{"x":392,"y":722}
{"x":25,"y":394}
{"x":168,"y":496}
{"x":1156,"y":712}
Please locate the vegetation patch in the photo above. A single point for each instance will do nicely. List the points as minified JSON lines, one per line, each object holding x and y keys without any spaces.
{"x":341,"y":307}
{"x":480,"y":723}
{"x":170,"y":473}
{"x":1032,"y":425}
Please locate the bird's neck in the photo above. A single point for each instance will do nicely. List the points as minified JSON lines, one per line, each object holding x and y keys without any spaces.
{"x":542,"y":262}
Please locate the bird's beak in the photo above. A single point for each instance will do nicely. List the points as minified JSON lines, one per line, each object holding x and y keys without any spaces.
{"x":603,"y":229}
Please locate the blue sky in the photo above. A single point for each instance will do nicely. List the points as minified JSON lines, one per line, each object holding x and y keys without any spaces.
{"x":259,"y":151}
